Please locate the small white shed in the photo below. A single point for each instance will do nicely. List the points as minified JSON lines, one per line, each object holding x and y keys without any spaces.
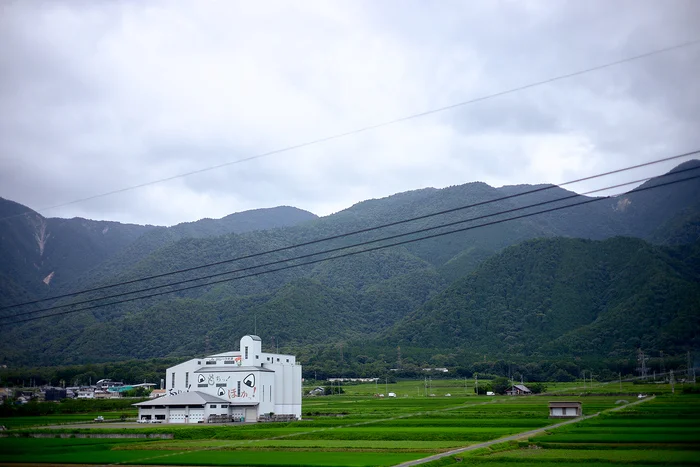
{"x":564,"y":409}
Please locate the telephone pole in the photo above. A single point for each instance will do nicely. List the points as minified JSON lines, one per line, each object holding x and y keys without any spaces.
{"x":691,"y":367}
{"x":673,"y":388}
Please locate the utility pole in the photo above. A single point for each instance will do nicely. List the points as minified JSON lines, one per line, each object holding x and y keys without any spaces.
{"x":673,"y":388}
{"x":386,"y":386}
{"x":663,"y":364}
{"x":476,"y":382}
{"x":620,"y":374}
{"x":689,"y":366}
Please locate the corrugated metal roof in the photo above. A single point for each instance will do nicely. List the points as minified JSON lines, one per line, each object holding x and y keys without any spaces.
{"x":564,"y":404}
{"x":184,"y":398}
{"x":232,"y":368}
{"x":521,"y":387}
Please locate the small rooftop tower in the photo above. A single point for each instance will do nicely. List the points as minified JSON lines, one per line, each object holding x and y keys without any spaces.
{"x":251,"y":348}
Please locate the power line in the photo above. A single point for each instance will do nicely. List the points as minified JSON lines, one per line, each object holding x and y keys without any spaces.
{"x":355,"y":232}
{"x":334,"y":250}
{"x":344,"y":255}
{"x":381,"y":124}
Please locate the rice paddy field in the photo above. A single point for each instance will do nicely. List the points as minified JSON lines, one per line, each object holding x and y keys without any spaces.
{"x":663,"y":431}
{"x":358,"y":429}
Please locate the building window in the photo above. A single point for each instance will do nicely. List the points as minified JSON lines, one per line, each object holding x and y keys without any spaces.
{"x":278,"y":359}
{"x":212,"y":406}
{"x":224,"y":406}
{"x":246,"y":352}
{"x":239,"y":389}
{"x":199,"y":362}
{"x":172,"y":385}
{"x":211,"y":362}
{"x":287,"y":360}
{"x":187,"y":378}
{"x":257,"y":357}
{"x":268,"y":359}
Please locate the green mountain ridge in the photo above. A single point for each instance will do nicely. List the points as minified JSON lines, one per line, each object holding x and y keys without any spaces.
{"x":564,"y":297}
{"x":382,"y":294}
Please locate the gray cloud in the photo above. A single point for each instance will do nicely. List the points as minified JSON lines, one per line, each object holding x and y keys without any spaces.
{"x":98,"y":96}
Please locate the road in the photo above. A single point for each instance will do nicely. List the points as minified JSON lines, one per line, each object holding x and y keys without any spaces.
{"x":524,"y":434}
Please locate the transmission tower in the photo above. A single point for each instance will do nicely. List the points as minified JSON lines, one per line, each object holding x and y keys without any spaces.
{"x":642,"y":361}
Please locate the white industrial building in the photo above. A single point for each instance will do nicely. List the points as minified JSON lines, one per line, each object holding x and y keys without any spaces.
{"x":241,"y":386}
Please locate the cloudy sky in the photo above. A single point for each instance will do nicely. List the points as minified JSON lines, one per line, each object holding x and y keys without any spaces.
{"x":100,"y":96}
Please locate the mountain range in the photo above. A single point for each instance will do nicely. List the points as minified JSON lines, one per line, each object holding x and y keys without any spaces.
{"x":600,"y":279}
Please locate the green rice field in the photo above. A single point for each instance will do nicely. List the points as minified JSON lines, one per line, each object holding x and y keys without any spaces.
{"x":358,"y":429}
{"x":663,"y":431}
{"x":63,"y":419}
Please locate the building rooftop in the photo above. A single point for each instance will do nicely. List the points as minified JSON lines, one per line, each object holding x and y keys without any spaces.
{"x":231,"y":368}
{"x":184,"y":398}
{"x":564,"y":404}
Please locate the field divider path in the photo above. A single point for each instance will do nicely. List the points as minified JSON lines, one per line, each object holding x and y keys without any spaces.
{"x":290,"y":435}
{"x":524,"y":434}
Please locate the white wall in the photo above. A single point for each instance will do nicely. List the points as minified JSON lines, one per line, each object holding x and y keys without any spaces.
{"x":285,"y":382}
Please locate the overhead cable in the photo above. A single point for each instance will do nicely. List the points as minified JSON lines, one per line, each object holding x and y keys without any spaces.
{"x":352,"y":253}
{"x":356,"y":232}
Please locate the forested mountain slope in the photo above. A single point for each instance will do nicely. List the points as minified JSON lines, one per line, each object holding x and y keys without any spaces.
{"x":364,"y":294}
{"x":40,"y":254}
{"x":566,"y":297}
{"x":48,"y":256}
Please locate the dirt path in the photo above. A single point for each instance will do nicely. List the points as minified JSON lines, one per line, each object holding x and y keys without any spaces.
{"x":524,"y":434}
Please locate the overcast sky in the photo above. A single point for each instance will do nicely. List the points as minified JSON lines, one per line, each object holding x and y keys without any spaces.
{"x":98,"y":96}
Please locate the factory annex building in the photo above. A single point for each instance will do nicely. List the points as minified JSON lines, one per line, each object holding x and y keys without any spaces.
{"x":239,"y":386}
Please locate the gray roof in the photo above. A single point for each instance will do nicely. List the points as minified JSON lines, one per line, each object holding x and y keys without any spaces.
{"x":255,"y":338}
{"x":184,"y":398}
{"x":232,"y":368}
{"x":521,"y":387}
{"x":564,"y":404}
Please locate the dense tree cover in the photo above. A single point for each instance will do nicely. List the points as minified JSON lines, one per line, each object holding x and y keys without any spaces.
{"x":32,"y":247}
{"x":564,"y":297}
{"x":441,"y":300}
{"x":129,"y":371}
{"x":500,"y":385}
